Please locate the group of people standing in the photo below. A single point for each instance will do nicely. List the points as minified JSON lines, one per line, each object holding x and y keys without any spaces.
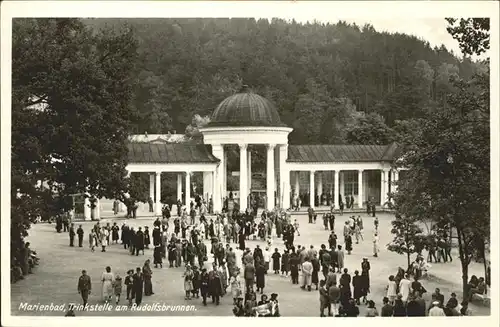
{"x":138,"y":283}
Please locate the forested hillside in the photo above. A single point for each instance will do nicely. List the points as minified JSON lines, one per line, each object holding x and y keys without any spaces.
{"x":329,"y":82}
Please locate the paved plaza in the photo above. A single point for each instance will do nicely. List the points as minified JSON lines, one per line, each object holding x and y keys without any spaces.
{"x":55,"y":279}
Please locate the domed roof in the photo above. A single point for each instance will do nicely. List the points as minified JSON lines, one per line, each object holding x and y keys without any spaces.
{"x":245,"y":109}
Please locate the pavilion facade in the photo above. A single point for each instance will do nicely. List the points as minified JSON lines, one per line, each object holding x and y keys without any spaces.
{"x":244,"y":119}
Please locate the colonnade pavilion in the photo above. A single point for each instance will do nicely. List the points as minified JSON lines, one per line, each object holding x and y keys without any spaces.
{"x":243,"y":119}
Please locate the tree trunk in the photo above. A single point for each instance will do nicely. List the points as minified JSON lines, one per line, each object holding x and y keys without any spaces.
{"x":464,"y":259}
{"x":483,"y":255}
{"x":408,"y":258}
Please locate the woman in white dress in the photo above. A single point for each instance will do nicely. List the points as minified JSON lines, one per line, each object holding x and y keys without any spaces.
{"x":107,"y":284}
{"x":375,"y":245}
{"x":92,"y":241}
{"x":391,"y":289}
{"x":188,"y":281}
{"x":235,"y":284}
{"x":104,"y":239}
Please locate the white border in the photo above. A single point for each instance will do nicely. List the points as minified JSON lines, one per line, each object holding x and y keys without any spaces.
{"x":288,"y":10}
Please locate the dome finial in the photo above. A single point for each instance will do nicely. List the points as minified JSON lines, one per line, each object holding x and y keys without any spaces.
{"x":244,"y":89}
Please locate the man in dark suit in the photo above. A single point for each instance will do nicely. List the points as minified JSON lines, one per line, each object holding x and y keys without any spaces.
{"x":84,"y":286}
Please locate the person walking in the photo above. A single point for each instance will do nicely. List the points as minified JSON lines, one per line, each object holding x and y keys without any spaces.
{"x":72,"y":235}
{"x":324,"y":299}
{"x":260,"y":275}
{"x":148,"y":274}
{"x":307,"y":270}
{"x":117,"y":288}
{"x":129,"y":281}
{"x":107,"y":284}
{"x":376,"y":249}
{"x":188,"y":281}
{"x":84,"y":286}
{"x":340,"y":258}
{"x":137,"y":286}
{"x":334,"y":296}
{"x":79,"y":232}
{"x":204,"y":285}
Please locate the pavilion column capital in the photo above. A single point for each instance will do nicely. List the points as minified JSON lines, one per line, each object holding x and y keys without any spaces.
{"x":158,"y":173}
{"x":243,"y":146}
{"x":270,"y":147}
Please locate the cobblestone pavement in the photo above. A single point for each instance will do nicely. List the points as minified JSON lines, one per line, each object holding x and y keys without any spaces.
{"x":55,"y":279}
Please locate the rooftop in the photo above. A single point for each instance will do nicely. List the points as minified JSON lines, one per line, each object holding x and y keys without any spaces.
{"x":245,"y":109}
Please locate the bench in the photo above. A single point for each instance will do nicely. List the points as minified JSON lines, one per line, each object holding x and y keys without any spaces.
{"x":484,"y":298}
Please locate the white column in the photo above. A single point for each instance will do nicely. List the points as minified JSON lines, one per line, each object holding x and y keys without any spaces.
{"x":215,"y":187}
{"x":87,"y":215}
{"x":158,"y":194}
{"x":207,"y":185}
{"x":341,"y":186}
{"x":218,"y":152}
{"x":395,"y":179}
{"x":224,"y":176}
{"x":179,"y":186}
{"x":270,"y":177}
{"x":98,"y":209}
{"x":249,"y":171}
{"x":337,"y":189}
{"x":243,"y":177}
{"x":152,"y":187}
{"x":188,"y":188}
{"x":320,"y":186}
{"x":284,"y":178}
{"x":360,"y":189}
{"x":297,"y":182}
{"x":383,"y":190}
{"x":311,"y":188}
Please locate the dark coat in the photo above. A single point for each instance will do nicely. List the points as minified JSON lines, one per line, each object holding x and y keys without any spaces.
{"x":285,"y":262}
{"x":276,"y":260}
{"x":156,"y":237}
{"x":139,"y":240}
{"x":399,"y":309}
{"x":215,"y":283}
{"x":316,"y":268}
{"x":260,"y":275}
{"x":357,"y":284}
{"x":249,"y":272}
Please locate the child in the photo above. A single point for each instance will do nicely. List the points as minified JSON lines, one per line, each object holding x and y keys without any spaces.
{"x":117,"y":287}
{"x":296,"y":226}
{"x":375,"y":222}
{"x":129,"y":283}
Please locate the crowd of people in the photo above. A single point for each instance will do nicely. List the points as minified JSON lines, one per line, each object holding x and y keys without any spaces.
{"x":230,"y":268}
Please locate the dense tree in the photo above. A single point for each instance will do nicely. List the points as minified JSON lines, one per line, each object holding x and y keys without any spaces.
{"x":449,"y":172}
{"x":473,"y":34}
{"x":370,"y":129}
{"x":188,"y":66}
{"x":70,"y":116}
{"x":408,"y":237}
{"x":193,"y":130}
{"x":448,"y":179}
